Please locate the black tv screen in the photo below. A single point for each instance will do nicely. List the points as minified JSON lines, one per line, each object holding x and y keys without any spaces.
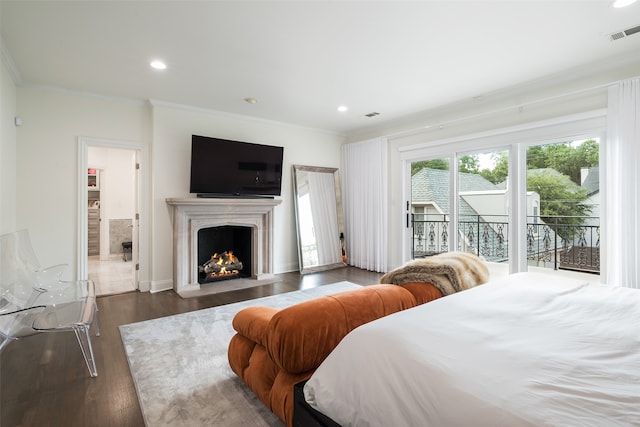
{"x":223,"y":168}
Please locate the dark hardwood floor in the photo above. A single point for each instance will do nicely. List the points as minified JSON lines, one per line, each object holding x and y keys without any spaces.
{"x":44,"y":380}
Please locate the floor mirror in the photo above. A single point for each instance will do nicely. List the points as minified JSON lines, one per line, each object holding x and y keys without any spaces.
{"x":318,"y":218}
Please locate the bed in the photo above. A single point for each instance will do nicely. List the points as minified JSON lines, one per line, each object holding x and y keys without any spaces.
{"x":528,"y":349}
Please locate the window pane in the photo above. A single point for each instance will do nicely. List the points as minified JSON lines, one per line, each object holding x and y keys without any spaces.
{"x":483,"y":205}
{"x":563,"y":208}
{"x":430,"y":207}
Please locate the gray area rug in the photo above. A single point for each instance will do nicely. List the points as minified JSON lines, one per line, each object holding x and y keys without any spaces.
{"x":180,"y":369}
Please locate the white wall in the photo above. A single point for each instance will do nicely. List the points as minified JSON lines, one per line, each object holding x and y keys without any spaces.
{"x":116,"y":180}
{"x":47,"y":162}
{"x":7,"y":153}
{"x":172,"y":130}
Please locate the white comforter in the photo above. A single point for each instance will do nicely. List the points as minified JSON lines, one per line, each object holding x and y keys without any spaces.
{"x":526,"y":350}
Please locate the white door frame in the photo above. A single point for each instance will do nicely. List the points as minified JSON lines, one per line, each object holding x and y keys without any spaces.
{"x":142,"y":203}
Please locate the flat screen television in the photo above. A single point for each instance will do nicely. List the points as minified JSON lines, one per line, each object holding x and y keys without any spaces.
{"x":226,"y":168}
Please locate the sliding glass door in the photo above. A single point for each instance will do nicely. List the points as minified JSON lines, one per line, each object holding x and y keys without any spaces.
{"x":546,"y":199}
{"x":563,"y":219}
{"x":430,"y":207}
{"x":483,"y":204}
{"x":480,"y":182}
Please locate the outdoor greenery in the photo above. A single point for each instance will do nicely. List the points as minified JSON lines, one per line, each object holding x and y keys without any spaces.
{"x":440,"y":164}
{"x":561,"y":200}
{"x":564,"y":158}
{"x":468,"y":164}
{"x":556,"y":177}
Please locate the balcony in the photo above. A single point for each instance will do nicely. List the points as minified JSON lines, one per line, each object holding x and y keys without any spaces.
{"x":560,"y":243}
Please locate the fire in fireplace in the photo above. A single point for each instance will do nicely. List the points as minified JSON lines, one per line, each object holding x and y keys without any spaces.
{"x":221,"y":266}
{"x":231,"y":246}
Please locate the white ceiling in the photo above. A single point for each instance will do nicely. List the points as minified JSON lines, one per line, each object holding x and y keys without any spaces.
{"x":301,"y":59}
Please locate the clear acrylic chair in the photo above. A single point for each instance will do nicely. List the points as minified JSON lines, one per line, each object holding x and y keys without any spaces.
{"x":34,"y":300}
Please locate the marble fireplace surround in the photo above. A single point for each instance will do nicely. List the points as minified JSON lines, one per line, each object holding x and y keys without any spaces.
{"x":193,"y":214}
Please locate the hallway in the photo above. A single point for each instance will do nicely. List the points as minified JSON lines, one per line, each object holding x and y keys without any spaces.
{"x":113,"y":276}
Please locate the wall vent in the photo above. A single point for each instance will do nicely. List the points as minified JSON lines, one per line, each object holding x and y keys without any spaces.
{"x":625,"y":33}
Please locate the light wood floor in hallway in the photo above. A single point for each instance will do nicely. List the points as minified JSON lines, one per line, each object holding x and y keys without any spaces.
{"x":44,"y":381}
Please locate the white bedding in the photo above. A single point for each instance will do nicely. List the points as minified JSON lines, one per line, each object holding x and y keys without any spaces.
{"x":526,"y":350}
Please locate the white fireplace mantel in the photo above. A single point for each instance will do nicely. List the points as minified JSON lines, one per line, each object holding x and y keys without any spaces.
{"x":192,"y":214}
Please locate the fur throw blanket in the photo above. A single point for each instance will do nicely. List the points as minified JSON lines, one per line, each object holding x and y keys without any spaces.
{"x":450,"y":272}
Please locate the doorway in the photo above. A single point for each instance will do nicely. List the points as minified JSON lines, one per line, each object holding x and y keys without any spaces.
{"x":109,"y":215}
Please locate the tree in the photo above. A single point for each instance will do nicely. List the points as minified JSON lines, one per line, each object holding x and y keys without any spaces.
{"x":561,"y":157}
{"x":536,"y":158}
{"x":500,"y":171}
{"x":561,"y":200}
{"x":469,"y":164}
{"x":441,"y":164}
{"x":557,"y":182}
{"x":564,"y":158}
{"x":588,"y":153}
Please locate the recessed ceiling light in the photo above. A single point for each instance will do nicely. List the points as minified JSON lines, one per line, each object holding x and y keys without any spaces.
{"x":622,"y":3}
{"x":343,"y":108}
{"x":158,"y":65}
{"x":251,"y":101}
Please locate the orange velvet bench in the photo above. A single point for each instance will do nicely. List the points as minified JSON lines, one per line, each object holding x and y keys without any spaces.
{"x":275,"y":349}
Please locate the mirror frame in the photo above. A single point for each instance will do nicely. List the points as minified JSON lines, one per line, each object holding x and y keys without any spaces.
{"x":339,"y":216}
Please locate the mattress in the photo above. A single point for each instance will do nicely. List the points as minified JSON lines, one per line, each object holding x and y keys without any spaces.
{"x":529,"y":349}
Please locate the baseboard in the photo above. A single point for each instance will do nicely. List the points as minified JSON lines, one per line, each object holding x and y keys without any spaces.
{"x":161,"y":285}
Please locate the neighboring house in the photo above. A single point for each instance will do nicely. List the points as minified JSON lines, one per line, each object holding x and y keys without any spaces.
{"x":580,"y":248}
{"x":590,"y":180}
{"x":587,"y":251}
{"x":482,"y":214}
{"x":483,"y":222}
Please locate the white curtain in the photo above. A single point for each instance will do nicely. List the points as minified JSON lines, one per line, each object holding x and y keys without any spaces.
{"x":364,"y":177}
{"x":622,"y":157}
{"x":322,"y":196}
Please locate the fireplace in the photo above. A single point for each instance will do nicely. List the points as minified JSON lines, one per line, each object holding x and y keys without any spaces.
{"x":198,"y":221}
{"x":224,"y":253}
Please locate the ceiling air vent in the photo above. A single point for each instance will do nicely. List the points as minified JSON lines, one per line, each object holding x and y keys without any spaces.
{"x":373,"y":114}
{"x":626,"y":33}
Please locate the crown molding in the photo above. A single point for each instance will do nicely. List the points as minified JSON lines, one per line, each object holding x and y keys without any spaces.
{"x":87,"y":94}
{"x":157,"y":103}
{"x":10,"y":65}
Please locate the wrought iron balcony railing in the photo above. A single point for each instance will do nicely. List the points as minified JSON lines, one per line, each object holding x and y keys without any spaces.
{"x":569,"y":243}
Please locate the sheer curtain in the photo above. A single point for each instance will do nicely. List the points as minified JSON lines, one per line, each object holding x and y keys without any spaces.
{"x":622,"y":157}
{"x":322,"y":196}
{"x":364,"y":177}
